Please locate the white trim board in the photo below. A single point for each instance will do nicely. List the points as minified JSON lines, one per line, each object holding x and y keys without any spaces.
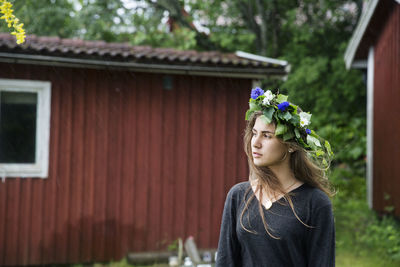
{"x":359,"y":32}
{"x":261,"y":58}
{"x":266,"y":60}
{"x":360,"y":64}
{"x":370,"y":126}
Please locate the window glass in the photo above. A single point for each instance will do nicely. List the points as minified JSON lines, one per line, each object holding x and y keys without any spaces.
{"x":17,"y":127}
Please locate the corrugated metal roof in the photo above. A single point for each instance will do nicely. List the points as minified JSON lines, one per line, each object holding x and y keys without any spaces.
{"x":124,"y":52}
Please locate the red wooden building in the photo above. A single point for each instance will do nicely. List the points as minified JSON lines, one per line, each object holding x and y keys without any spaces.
{"x":108,"y":148}
{"x":375,"y":48}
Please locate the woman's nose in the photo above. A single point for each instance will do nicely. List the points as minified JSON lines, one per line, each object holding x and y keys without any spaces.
{"x":256,"y":142}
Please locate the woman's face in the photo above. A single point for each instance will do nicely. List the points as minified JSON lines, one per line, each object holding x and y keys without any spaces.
{"x":266,"y":149}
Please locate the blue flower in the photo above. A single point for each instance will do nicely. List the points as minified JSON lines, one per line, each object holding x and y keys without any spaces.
{"x":283,"y":106}
{"x":256,"y":92}
{"x":308,"y":131}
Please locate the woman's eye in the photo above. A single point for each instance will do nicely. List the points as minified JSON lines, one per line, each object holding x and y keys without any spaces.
{"x":268,"y":135}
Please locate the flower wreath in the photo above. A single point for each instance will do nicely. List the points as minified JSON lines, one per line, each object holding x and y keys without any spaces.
{"x":291,"y":125}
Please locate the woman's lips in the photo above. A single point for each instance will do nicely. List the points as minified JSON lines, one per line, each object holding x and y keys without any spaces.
{"x":256,"y":155}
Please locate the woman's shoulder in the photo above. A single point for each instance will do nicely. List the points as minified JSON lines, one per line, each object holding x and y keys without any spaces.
{"x":239,"y":189}
{"x":316,"y":197}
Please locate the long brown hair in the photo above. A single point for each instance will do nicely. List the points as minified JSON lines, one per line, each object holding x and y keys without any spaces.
{"x":303,"y":167}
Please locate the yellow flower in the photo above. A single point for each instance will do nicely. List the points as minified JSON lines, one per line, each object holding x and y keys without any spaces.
{"x":12,"y":21}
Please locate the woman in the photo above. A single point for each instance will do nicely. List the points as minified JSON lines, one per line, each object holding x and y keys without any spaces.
{"x":283,"y":215}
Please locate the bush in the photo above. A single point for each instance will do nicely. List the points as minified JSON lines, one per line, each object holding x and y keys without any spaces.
{"x":358,"y":227}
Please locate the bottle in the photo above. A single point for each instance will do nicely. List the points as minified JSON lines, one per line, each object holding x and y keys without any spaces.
{"x":188,"y":262}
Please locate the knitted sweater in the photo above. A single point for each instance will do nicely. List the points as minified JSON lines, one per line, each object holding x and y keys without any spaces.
{"x":298,"y":245}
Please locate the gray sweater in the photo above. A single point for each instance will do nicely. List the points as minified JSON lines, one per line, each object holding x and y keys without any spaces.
{"x":299,"y":245}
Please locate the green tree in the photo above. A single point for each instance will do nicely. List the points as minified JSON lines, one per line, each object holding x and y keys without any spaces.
{"x":45,"y":17}
{"x":180,"y":21}
{"x":257,"y":23}
{"x":105,"y":20}
{"x":319,"y":81}
{"x":151,"y":26}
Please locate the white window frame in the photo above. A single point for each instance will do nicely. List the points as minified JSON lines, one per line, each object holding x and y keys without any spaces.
{"x":41,"y":165}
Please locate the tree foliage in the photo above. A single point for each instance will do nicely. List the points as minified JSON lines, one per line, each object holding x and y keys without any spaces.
{"x":336,"y":96}
{"x":45,"y":17}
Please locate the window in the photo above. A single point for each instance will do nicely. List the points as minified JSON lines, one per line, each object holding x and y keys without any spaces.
{"x":24,"y":128}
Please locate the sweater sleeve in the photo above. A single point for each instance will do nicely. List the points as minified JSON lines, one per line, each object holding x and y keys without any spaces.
{"x":321,"y":239}
{"x":228,"y":246}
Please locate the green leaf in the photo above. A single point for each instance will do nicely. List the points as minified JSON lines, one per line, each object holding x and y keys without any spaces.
{"x":288,"y":135}
{"x":294,"y":109}
{"x":276,"y":116}
{"x":268,"y":113}
{"x":253,"y":105}
{"x":319,"y":152}
{"x":300,"y":140}
{"x":314,"y":134}
{"x":248,"y":114}
{"x":328,"y":147}
{"x":296,"y":131}
{"x":295,"y":119}
{"x":287,"y":116}
{"x":324,"y":162}
{"x":280,"y":129}
{"x":310,"y":142}
{"x":313,"y":142}
{"x":265,"y":119}
{"x":281,"y":98}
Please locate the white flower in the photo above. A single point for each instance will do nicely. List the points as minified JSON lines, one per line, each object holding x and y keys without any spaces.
{"x":305,"y":119}
{"x":268,"y":97}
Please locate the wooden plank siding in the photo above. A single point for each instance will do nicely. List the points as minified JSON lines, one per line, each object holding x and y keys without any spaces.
{"x":132,"y":166}
{"x":386,"y":170}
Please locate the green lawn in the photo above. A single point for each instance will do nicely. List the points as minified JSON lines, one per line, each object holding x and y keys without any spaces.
{"x":346,"y":258}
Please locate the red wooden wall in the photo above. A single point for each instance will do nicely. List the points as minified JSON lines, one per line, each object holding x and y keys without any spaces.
{"x":386,"y":158}
{"x":132,"y":166}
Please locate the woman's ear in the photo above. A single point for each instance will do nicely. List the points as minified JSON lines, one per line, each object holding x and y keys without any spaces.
{"x":291,"y":148}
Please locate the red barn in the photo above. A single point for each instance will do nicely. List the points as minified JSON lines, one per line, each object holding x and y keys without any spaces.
{"x":375,"y":48}
{"x":109,"y":148}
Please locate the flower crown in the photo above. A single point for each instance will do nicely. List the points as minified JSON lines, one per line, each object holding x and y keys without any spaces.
{"x":290,"y":124}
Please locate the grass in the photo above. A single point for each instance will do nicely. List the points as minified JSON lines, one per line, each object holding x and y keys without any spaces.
{"x":344,"y":258}
{"x":348,"y":258}
{"x":121,"y":263}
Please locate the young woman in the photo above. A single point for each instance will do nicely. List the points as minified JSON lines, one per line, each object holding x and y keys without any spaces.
{"x":283,"y":215}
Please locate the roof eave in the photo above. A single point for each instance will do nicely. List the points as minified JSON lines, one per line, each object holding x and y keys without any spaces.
{"x":261,"y":58}
{"x":233,"y":72}
{"x":359,"y":33}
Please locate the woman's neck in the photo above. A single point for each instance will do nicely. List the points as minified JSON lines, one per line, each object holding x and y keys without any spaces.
{"x":287,"y":180}
{"x":284,"y":175}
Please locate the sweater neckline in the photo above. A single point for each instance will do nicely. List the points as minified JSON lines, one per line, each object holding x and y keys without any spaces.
{"x":299,"y":188}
